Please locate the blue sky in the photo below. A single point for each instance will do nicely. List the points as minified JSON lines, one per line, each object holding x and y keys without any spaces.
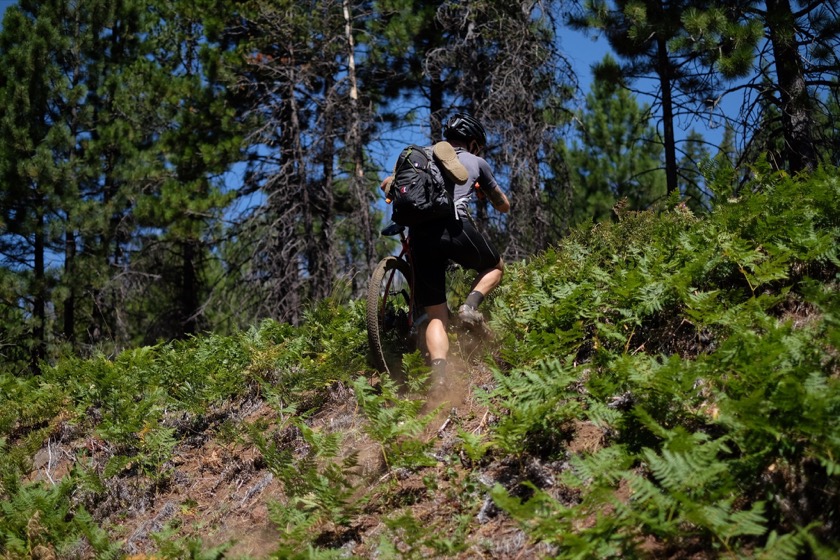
{"x":583,"y":52}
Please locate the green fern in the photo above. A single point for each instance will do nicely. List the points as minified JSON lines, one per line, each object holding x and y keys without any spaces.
{"x":475,"y":446}
{"x":535,"y":407}
{"x":410,"y":538}
{"x":316,"y":484}
{"x":171,"y":547}
{"x":39,"y":520}
{"x":602,"y":469}
{"x":395,"y":423}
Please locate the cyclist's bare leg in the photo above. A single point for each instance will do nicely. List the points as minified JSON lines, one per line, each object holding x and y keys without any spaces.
{"x":488,"y":279}
{"x":437,"y":341}
{"x":471,"y":318}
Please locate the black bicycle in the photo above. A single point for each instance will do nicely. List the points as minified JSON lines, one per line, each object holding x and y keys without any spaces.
{"x":395,"y":323}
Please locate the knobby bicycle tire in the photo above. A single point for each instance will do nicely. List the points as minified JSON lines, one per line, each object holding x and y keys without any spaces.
{"x":389,"y":314}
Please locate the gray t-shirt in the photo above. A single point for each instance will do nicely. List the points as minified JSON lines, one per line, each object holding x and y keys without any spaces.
{"x":478,"y":171}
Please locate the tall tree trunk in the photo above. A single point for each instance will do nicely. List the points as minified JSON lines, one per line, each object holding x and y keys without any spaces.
{"x":354,"y":141}
{"x":664,"y":65}
{"x":39,"y":303}
{"x":189,"y":288}
{"x":793,"y":97}
{"x":286,"y":294}
{"x":320,"y":246}
{"x":69,"y":274}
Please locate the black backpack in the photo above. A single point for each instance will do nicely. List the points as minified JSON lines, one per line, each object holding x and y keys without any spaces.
{"x":418,"y":192}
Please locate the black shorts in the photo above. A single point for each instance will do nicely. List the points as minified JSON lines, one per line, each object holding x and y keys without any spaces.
{"x":434,"y":245}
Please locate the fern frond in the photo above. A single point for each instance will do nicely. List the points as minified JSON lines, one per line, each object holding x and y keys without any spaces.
{"x":605,"y":467}
{"x":789,"y":546}
{"x":688,"y":470}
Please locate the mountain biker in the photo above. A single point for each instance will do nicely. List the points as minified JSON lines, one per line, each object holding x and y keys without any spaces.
{"x":434,"y":244}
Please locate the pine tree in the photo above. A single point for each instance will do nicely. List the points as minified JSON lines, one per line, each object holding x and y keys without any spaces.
{"x":399,"y":36}
{"x":641,"y":33}
{"x":727,"y":146}
{"x":50,"y":61}
{"x":195,"y":141}
{"x":28,"y":193}
{"x":314,"y":222}
{"x":615,"y":155}
{"x":100,"y":241}
{"x":796,"y":44}
{"x":111,"y":154}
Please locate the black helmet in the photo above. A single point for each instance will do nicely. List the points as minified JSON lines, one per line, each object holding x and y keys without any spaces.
{"x":461,"y":126}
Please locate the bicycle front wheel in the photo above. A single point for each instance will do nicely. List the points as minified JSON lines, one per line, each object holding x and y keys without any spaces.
{"x":389,"y":314}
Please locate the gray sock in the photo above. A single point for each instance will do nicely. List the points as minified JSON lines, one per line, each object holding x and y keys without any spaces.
{"x":474,"y":299}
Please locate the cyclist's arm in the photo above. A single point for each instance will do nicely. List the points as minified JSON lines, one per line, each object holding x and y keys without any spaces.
{"x":499,"y":200}
{"x":385,"y":185}
{"x":490,"y":188}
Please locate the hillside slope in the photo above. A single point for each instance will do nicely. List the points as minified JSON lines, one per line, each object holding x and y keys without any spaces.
{"x":664,"y":386}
